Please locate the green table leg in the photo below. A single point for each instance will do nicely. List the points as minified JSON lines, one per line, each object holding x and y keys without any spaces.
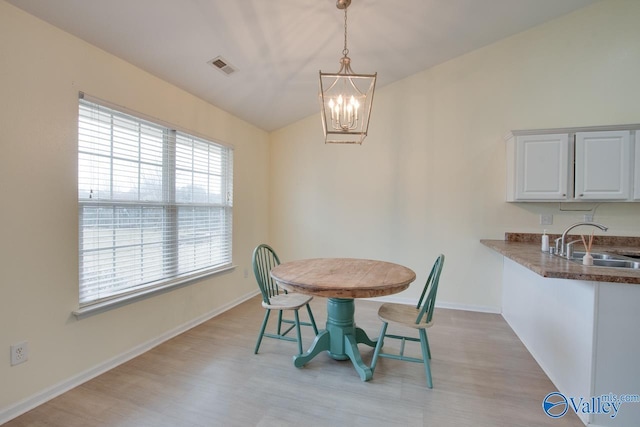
{"x":351,"y":348}
{"x":340,"y":338}
{"x":362,"y":338}
{"x":321,"y":343}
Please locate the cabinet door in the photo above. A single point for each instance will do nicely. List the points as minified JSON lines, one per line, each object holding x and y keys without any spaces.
{"x":602,"y":165}
{"x":541,"y":167}
{"x":636,"y":184}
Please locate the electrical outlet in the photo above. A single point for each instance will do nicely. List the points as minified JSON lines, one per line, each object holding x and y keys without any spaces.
{"x":588,"y":217}
{"x":546,"y":219}
{"x":19,"y":353}
{"x":246,"y":273}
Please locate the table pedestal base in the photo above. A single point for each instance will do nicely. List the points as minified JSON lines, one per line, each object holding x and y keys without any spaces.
{"x":340,"y":338}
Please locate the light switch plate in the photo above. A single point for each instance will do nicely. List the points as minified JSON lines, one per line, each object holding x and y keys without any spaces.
{"x":546,"y":219}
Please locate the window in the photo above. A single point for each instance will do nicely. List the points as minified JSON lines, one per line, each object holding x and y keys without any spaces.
{"x":155,"y":204}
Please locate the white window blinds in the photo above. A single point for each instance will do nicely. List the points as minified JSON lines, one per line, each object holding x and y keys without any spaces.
{"x":155,"y":204}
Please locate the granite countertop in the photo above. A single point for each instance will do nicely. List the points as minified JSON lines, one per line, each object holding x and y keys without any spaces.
{"x":524,"y":248}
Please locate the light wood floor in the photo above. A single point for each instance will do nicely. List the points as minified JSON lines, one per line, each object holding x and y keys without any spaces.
{"x":209,"y":376}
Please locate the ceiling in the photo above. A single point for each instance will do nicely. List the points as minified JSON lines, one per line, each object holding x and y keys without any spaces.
{"x":278,"y":46}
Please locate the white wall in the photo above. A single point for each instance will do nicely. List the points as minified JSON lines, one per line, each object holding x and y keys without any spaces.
{"x":430,"y":177}
{"x":41,"y":71}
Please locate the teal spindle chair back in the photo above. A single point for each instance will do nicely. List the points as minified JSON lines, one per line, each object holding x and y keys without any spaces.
{"x":264,"y":259}
{"x":427,"y":305}
{"x":418,"y":317}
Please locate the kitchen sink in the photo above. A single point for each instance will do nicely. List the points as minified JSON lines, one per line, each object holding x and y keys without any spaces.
{"x":603,"y":259}
{"x":597,"y":255}
{"x":616,"y":263}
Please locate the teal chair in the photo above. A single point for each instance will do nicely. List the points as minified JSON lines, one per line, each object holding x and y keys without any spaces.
{"x":419,"y":317}
{"x":273,"y":298}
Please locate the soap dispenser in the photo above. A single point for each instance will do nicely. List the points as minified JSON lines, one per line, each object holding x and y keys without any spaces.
{"x":545,"y":242}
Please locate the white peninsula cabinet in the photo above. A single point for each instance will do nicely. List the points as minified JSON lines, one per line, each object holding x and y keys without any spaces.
{"x":574,"y":164}
{"x":603,"y":165}
{"x":583,"y":334}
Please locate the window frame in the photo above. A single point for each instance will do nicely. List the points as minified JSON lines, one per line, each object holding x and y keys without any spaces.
{"x":169,"y":203}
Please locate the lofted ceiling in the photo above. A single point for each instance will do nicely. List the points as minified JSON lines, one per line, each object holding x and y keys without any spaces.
{"x":278,"y":46}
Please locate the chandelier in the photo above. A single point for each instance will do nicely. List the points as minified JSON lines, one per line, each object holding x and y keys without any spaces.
{"x":346,"y":98}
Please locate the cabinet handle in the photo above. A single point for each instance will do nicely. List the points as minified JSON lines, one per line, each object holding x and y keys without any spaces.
{"x":581,"y":195}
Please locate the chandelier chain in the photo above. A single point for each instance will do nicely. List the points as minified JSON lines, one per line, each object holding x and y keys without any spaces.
{"x":345,"y":51}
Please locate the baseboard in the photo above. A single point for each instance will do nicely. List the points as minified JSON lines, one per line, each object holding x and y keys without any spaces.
{"x":49,"y":393}
{"x":468,"y":307}
{"x":444,"y":304}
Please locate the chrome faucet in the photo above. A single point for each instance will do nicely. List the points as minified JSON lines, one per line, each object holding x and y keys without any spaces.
{"x":562,"y":248}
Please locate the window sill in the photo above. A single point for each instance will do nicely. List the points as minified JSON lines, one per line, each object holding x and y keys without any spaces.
{"x":91,"y":309}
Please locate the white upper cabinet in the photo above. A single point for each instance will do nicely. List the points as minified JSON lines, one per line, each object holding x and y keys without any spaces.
{"x":636,"y":185}
{"x":603,"y":165}
{"x":586,"y":164}
{"x":541,"y":167}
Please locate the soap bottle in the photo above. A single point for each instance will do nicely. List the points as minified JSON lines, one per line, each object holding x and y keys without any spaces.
{"x":545,"y":242}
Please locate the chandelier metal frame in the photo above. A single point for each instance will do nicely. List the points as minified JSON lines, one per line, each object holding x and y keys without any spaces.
{"x":346,"y":98}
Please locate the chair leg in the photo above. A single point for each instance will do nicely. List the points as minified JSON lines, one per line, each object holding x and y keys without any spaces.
{"x":376,"y":352}
{"x":313,"y":321}
{"x":426,"y":337}
{"x":425,"y":357}
{"x":264,"y":325}
{"x":279,"y":322}
{"x":297,"y":317}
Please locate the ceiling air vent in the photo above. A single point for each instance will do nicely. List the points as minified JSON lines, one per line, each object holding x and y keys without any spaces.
{"x":219,"y":63}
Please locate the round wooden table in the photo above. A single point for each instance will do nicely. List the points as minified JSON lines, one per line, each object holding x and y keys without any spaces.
{"x":341,"y":280}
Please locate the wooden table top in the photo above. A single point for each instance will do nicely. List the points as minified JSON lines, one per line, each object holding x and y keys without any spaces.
{"x":343,"y":277}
